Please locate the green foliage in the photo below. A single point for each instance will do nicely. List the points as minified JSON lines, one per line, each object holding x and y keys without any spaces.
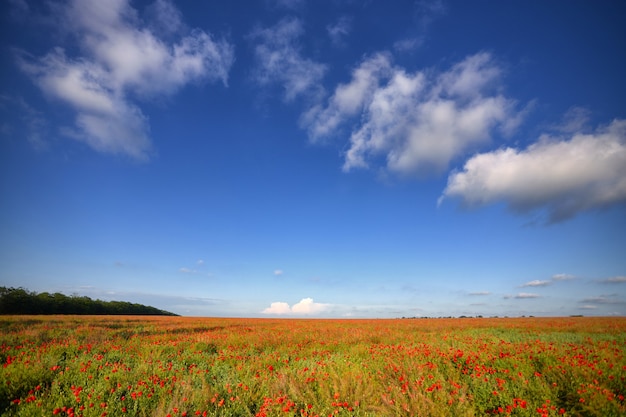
{"x":21,"y":301}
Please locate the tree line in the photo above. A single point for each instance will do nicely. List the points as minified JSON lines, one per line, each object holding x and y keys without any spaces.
{"x":22,"y":301}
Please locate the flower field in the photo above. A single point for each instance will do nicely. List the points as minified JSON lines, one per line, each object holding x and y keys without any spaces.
{"x":177,"y":366}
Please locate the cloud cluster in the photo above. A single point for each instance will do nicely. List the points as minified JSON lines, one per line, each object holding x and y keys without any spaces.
{"x":411,"y":123}
{"x":563,"y":175}
{"x":306,"y":306}
{"x":279,"y":60}
{"x":416,"y":121}
{"x":123,"y":59}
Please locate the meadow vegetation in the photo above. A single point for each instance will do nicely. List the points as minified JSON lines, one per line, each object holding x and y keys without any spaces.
{"x":178,"y":366}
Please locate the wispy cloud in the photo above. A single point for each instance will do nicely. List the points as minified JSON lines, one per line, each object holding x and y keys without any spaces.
{"x":429,"y":10}
{"x":289,"y":4}
{"x":604,"y":299}
{"x":418,"y":122}
{"x":563,"y":176}
{"x":35,"y":126}
{"x":536,"y":283}
{"x":278,"y":272}
{"x":562,"y":277}
{"x":306,"y":306}
{"x":575,"y":120}
{"x":280,"y":62}
{"x":122,"y":58}
{"x":522,"y":295}
{"x":478,"y":293}
{"x":408,"y":44}
{"x":614,"y":280}
{"x":339,"y":30}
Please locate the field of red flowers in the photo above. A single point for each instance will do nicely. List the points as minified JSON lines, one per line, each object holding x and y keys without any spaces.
{"x":176,"y":366}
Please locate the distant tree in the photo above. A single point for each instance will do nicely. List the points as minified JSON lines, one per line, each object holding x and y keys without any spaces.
{"x":21,"y":301}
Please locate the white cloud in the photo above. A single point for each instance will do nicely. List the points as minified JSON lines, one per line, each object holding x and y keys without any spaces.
{"x":562,"y":176}
{"x":348,"y":100}
{"x":306,"y":306}
{"x":418,"y":121}
{"x":278,"y":272}
{"x":200,"y":262}
{"x":188,"y":270}
{"x":588,"y":307}
{"x":536,"y":283}
{"x":480,"y":293}
{"x":279,"y":61}
{"x":122,"y":58}
{"x":277,"y":308}
{"x":562,"y":277}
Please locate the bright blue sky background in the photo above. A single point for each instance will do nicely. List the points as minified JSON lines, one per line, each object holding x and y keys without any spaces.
{"x":334,"y":158}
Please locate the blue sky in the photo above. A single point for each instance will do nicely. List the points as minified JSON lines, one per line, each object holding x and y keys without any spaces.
{"x":287,"y":158}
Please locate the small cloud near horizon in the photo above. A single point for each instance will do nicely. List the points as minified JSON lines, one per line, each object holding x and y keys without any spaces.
{"x":306,"y":306}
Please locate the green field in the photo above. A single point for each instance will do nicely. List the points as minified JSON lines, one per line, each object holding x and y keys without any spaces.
{"x":176,"y":366}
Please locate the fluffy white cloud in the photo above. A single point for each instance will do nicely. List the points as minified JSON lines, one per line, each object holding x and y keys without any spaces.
{"x":123,"y":57}
{"x":279,"y":61}
{"x":562,"y":176}
{"x":418,"y":121}
{"x":306,"y":306}
{"x":536,"y":283}
{"x":278,"y":272}
{"x":278,"y":308}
